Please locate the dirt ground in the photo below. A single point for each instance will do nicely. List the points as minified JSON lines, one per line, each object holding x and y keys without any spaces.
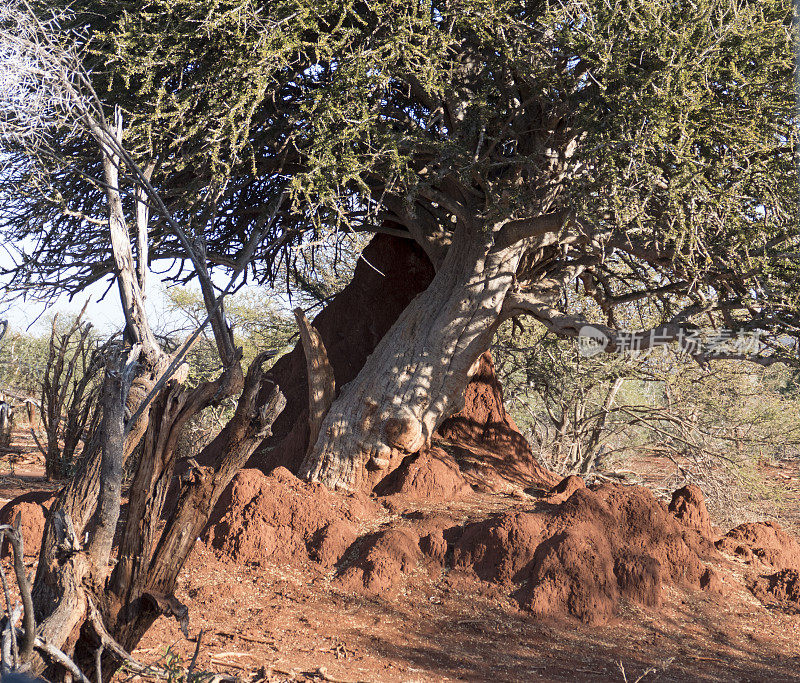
{"x":278,"y":620}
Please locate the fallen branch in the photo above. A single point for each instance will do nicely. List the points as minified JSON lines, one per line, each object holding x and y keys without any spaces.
{"x":57,"y":655}
{"x":220,"y":662}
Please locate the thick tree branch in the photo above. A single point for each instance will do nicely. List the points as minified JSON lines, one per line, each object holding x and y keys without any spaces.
{"x":573,"y":326}
{"x":517,"y":230}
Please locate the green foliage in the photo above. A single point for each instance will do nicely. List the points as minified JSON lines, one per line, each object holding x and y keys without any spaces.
{"x":23,"y":357}
{"x":257,"y":323}
{"x":672,"y":121}
{"x":691,"y":119}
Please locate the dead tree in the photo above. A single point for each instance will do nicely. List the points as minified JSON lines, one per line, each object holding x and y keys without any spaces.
{"x":68,"y":395}
{"x":87,"y":609}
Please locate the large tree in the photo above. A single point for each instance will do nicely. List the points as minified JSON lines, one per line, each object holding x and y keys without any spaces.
{"x":558,"y":160}
{"x":636,"y":153}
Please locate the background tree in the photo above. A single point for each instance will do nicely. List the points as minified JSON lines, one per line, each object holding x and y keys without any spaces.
{"x":69,"y":392}
{"x":715,"y":426}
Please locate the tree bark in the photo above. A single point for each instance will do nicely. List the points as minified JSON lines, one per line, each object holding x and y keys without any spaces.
{"x":321,"y":380}
{"x":417,"y":375}
{"x":390,"y":273}
{"x":141,"y":588}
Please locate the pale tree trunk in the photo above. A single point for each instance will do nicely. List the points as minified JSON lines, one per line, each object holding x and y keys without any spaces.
{"x":74,"y":583}
{"x":417,"y":374}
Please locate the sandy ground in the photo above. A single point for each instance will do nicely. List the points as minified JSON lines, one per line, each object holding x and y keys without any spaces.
{"x":273,"y":621}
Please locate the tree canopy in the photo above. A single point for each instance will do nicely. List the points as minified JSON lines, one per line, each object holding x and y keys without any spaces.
{"x":665,"y":131}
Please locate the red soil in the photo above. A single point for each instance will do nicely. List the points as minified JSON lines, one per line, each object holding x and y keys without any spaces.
{"x":564,"y":489}
{"x":487,"y":443}
{"x":460,"y":589}
{"x":382,"y":560}
{"x":765,"y":542}
{"x":32,"y":508}
{"x":579,"y":558}
{"x":582,"y":557}
{"x":781,"y":588}
{"x":263,"y":518}
{"x":436,"y":579}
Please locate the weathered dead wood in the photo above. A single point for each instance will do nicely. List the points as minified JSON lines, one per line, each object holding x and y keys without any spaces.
{"x":321,"y":381}
{"x":28,"y":623}
{"x":61,"y":658}
{"x":74,"y":559}
{"x":78,"y":534}
{"x":137,"y":325}
{"x":141,"y":590}
{"x":168,"y":415}
{"x":6,"y":423}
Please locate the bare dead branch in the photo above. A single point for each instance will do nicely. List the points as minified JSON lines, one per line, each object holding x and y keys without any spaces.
{"x":142,"y":220}
{"x":98,"y":663}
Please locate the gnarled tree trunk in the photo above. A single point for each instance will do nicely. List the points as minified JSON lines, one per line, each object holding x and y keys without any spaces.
{"x":417,"y":374}
{"x":391,"y":272}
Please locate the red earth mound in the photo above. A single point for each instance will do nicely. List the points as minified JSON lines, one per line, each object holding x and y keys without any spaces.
{"x":764,"y":541}
{"x":765,"y":544}
{"x":277,"y":516}
{"x":575,"y":551}
{"x":688,"y":505}
{"x":432,"y":474}
{"x":564,"y":489}
{"x":489,"y":448}
{"x":486,"y":442}
{"x":438,"y":535}
{"x":331,"y":542}
{"x":382,"y":560}
{"x":581,"y":558}
{"x":32,"y":508}
{"x":781,"y":589}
